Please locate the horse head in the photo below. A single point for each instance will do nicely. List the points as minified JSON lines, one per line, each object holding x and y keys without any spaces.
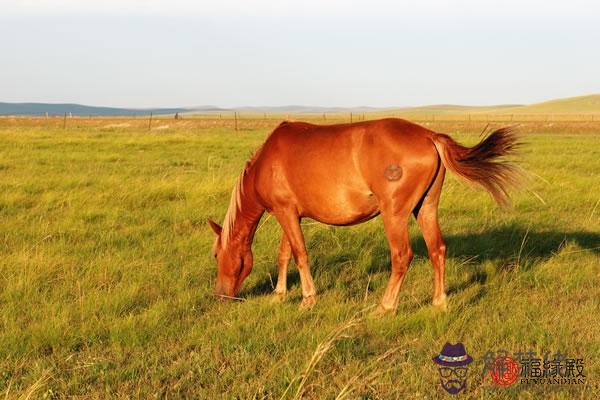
{"x":234,"y":262}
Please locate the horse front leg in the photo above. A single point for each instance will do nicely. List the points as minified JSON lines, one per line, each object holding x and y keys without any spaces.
{"x":290,"y":222}
{"x":283,"y":259}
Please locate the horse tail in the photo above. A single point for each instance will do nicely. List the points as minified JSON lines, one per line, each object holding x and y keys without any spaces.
{"x":484,"y":164}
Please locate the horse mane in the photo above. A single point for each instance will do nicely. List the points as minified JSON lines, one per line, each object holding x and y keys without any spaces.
{"x":235,"y":202}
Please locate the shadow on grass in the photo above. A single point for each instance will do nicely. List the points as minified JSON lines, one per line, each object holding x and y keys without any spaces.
{"x":505,"y":246}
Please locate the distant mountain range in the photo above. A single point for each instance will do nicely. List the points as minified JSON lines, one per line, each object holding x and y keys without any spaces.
{"x":580,"y":104}
{"x":78,"y":109}
{"x":306,"y":109}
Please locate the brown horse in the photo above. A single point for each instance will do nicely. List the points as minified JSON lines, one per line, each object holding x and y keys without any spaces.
{"x":346,"y":174}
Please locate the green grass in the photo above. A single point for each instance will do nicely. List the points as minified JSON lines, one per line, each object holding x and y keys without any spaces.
{"x":106,"y":274}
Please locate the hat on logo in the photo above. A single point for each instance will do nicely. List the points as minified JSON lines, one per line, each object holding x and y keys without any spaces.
{"x":453,"y":355}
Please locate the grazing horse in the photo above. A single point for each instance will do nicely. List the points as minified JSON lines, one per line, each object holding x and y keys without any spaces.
{"x":346,"y":174}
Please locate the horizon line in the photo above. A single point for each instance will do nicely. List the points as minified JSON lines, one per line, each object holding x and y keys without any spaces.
{"x":260,"y":107}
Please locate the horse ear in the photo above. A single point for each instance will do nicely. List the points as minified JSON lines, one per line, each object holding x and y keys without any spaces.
{"x":215,"y":227}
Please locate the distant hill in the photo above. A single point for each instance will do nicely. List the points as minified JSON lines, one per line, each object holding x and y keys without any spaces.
{"x":306,"y":109}
{"x":79,"y":109}
{"x":448,"y":109}
{"x":571,"y":105}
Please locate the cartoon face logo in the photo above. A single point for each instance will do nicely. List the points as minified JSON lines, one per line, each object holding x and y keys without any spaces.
{"x":453,"y":361}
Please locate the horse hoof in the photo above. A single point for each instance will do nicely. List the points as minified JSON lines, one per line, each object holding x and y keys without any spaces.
{"x":278,"y":297}
{"x":308,"y":302}
{"x":441,"y":303}
{"x":380,"y":311}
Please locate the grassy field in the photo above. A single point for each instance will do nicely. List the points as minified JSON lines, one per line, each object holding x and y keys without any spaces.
{"x":106,"y":274}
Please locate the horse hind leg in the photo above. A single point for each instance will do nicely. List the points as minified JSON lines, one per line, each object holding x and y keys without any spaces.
{"x":427,"y":218}
{"x":396,"y":229}
{"x":428,"y":222}
{"x":395,"y":210}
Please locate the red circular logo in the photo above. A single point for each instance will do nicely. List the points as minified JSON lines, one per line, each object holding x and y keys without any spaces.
{"x":504,"y":371}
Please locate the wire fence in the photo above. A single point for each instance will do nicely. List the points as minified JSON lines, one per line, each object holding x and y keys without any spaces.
{"x":240,"y":121}
{"x":336,"y":116}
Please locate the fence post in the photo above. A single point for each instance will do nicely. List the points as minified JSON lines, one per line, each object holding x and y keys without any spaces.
{"x":150,"y":121}
{"x":235,"y":117}
{"x":350,"y":117}
{"x":65,"y":121}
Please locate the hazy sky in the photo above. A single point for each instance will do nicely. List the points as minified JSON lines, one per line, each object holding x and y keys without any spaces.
{"x":142,"y":53}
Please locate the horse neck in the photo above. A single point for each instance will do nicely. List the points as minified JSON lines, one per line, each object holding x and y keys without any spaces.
{"x":244,"y":211}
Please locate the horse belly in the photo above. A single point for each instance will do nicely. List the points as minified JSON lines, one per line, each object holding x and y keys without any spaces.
{"x":339,"y":206}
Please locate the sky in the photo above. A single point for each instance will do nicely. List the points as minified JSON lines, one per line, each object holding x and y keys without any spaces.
{"x":380,"y":53}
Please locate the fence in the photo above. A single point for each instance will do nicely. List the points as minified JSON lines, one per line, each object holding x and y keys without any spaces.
{"x":242,"y":121}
